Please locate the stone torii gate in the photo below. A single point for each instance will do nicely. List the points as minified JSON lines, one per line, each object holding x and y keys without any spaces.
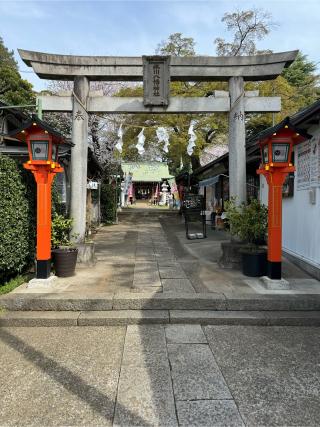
{"x":83,"y":69}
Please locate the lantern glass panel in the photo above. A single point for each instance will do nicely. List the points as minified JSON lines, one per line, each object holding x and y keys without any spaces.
{"x":40,"y":149}
{"x":265,"y":154}
{"x":280,"y":153}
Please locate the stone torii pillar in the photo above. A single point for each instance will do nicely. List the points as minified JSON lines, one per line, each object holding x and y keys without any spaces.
{"x":79,"y":154}
{"x":237,"y":141}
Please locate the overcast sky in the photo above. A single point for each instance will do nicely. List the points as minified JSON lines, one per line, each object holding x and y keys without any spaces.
{"x":134,"y":28}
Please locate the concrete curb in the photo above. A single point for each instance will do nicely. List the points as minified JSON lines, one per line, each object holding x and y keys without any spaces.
{"x":131,"y":317}
{"x":39,"y":318}
{"x":158,"y":301}
{"x":259,"y":318}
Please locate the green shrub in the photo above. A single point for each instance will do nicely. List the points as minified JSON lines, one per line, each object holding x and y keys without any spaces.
{"x":14,"y":220}
{"x":31,"y":196}
{"x":108,"y":203}
{"x":249,"y":221}
{"x":57,"y":207}
{"x":60,"y":231}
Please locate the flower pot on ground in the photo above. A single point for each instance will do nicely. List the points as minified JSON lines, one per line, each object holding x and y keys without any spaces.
{"x":254,"y":261}
{"x":64,"y":254}
{"x":249,"y":222}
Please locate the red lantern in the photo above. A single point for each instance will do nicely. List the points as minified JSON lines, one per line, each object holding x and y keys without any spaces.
{"x":43,"y":142}
{"x":276,"y":146}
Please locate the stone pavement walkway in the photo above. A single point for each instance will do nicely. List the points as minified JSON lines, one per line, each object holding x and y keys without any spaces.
{"x":156,"y":375}
{"x":132,"y":256}
{"x":148,"y":252}
{"x":148,"y":272}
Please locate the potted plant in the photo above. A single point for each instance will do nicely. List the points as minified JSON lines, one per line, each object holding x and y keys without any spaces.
{"x":64,"y":254}
{"x":249,"y":222}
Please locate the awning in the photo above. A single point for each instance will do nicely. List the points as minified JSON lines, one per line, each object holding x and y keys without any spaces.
{"x":209,"y":181}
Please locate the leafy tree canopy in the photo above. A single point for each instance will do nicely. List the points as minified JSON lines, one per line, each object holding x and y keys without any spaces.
{"x":298,"y":87}
{"x":301,"y":72}
{"x":7,"y":56}
{"x":13,"y":89}
{"x":177,"y":45}
{"x":301,"y":75}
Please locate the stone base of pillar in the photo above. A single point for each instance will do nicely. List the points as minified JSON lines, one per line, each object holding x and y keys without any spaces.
{"x":42,"y":283}
{"x":86,"y":254}
{"x":274,"y":284}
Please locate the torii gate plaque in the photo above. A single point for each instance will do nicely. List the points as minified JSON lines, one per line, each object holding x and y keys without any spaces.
{"x":156,"y":80}
{"x":83,"y":69}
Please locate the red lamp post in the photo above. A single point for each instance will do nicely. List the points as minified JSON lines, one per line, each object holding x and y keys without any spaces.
{"x":276,"y":146}
{"x":43,"y":143}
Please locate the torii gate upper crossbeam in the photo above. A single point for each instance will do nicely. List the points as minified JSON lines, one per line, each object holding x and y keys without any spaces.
{"x":198,"y":68}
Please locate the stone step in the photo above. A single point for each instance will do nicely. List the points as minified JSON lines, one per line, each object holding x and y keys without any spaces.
{"x":71,"y":301}
{"x":152,"y":213}
{"x":129,"y":317}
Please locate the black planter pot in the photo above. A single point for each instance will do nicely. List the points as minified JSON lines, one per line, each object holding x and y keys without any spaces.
{"x":254,"y":263}
{"x":64,"y":261}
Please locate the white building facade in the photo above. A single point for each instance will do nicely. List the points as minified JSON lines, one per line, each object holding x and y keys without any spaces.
{"x":301,"y":207}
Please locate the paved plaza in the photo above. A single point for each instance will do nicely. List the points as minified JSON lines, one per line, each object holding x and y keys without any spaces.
{"x":157,"y":334}
{"x":160,"y":375}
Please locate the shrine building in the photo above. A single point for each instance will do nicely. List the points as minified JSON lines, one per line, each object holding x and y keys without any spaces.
{"x":146,"y":178}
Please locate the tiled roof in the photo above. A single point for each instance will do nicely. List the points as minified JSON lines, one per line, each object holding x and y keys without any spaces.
{"x":147,"y":171}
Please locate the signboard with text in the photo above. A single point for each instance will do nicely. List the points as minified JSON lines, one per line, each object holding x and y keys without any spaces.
{"x":315,"y":161}
{"x":308,"y":164}
{"x":156,"y":80}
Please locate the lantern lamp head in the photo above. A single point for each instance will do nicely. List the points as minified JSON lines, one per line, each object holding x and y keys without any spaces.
{"x":277,"y":143}
{"x":281,"y":150}
{"x":276,"y":150}
{"x":42,"y":148}
{"x":42,"y":141}
{"x":39,"y":149}
{"x":40,"y":145}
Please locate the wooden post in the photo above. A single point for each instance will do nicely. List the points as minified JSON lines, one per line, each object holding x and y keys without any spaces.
{"x":43,"y":175}
{"x":275,"y":179}
{"x":44,"y":181}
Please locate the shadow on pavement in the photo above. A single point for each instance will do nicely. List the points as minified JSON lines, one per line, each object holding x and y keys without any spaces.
{"x":98,"y":401}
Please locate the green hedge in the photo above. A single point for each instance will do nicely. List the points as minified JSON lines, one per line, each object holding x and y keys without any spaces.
{"x":108,"y":203}
{"x":31,"y":196}
{"x":15,"y":213}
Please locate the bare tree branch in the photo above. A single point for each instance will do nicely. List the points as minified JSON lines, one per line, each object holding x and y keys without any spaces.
{"x":247,"y":26}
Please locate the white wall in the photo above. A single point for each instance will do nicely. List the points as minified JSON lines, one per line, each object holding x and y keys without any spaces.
{"x":300,"y":219}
